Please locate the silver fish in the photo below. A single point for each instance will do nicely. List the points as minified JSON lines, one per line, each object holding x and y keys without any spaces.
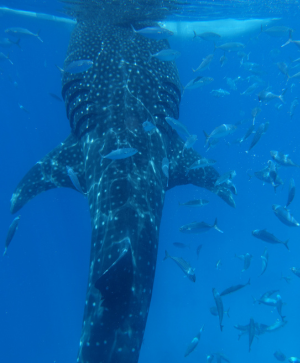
{"x":199,"y":227}
{"x":225,"y":177}
{"x":200,"y":164}
{"x":11,"y":232}
{"x":148,"y":126}
{"x":219,"y":92}
{"x":231,"y":47}
{"x":205,"y":63}
{"x":165,"y":55}
{"x":193,"y":343}
{"x":178,"y":126}
{"x":220,"y":131}
{"x":120,"y":154}
{"x":247,"y":260}
{"x":155,"y":33}
{"x":208,"y":36}
{"x":184,"y":266}
{"x":165,"y":168}
{"x":292,"y":192}
{"x":198,"y":82}
{"x":23,"y":33}
{"x":189,"y":143}
{"x":195,"y":203}
{"x":265,"y":261}
{"x":74,"y":179}
{"x":279,"y":356}
{"x":5,"y":57}
{"x":219,"y":305}
{"x":285,"y":216}
{"x":268,"y":237}
{"x":79,"y":66}
{"x":282,"y":159}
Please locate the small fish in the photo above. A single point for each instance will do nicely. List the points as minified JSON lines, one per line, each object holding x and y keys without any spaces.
{"x":225,"y":177}
{"x":250,"y":89}
{"x":79,"y":66}
{"x":57,"y":98}
{"x":251,"y":332}
{"x":219,"y":92}
{"x":260,"y":131}
{"x":178,"y":126}
{"x":292,"y":192}
{"x":219,"y":305}
{"x":209,"y":358}
{"x":7,"y":43}
{"x":23,"y":108}
{"x":214,"y":311}
{"x":205,"y":63}
{"x":220,"y":131}
{"x":279,"y":356}
{"x":294,"y":360}
{"x":199,"y":227}
{"x":189,"y":143}
{"x":11,"y":232}
{"x":269,"y":96}
{"x":155,"y":33}
{"x":234,"y":288}
{"x":165,"y":168}
{"x":276,"y":31}
{"x":268,"y":237}
{"x":255,"y":112}
{"x":180,"y":245}
{"x":201,"y":164}
{"x":23,"y":33}
{"x":285,"y":216}
{"x":165,"y":55}
{"x":198,"y":250}
{"x":195,"y":203}
{"x":282,"y":159}
{"x":74,"y":179}
{"x":294,"y":104}
{"x":5,"y":57}
{"x":193,"y":343}
{"x":247,"y":260}
{"x":287,"y":279}
{"x":120,"y":154}
{"x":230,"y":47}
{"x":148,"y":126}
{"x":208,"y":36}
{"x":248,"y":132}
{"x":223,"y":59}
{"x":284,"y":69}
{"x":198,"y":82}
{"x":296,"y":271}
{"x":184,"y":266}
{"x":279,"y":305}
{"x":264,"y":175}
{"x":265,"y":260}
{"x":218,"y":265}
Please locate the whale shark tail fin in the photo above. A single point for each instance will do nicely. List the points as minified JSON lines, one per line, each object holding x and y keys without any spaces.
{"x":49,"y":173}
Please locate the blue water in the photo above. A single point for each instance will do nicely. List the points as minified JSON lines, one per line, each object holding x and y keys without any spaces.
{"x":44,"y":274}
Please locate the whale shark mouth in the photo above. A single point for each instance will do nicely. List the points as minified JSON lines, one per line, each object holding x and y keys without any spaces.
{"x":106,"y":107}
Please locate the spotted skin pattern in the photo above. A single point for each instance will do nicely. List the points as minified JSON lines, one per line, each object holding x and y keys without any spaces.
{"x":106,"y":107}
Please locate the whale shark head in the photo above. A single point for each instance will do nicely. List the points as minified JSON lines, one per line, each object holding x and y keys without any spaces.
{"x":106,"y":106}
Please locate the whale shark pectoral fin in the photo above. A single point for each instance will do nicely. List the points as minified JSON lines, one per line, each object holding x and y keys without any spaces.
{"x":50,"y":172}
{"x":204,"y":177}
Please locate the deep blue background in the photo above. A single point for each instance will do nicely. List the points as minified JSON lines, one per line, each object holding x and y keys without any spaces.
{"x":44,"y":274}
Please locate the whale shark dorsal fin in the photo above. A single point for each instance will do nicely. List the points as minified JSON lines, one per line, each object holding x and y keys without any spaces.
{"x":50,"y":172}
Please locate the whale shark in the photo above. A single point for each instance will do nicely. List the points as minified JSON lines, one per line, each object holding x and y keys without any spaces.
{"x":106,"y":106}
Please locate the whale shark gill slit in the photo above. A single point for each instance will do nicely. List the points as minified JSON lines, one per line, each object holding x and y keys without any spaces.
{"x":106,"y":108}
